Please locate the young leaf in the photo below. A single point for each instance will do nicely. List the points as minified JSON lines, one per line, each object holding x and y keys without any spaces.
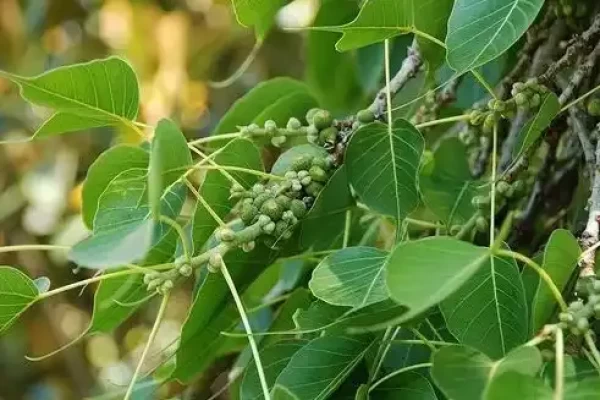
{"x":257,"y":14}
{"x":560,"y":260}
{"x":406,"y":386}
{"x":351,"y":277}
{"x":319,"y":367}
{"x":383,"y":168}
{"x":322,"y":228}
{"x":383,"y":19}
{"x":274,"y":359}
{"x":435,"y":267}
{"x":123,"y":231}
{"x":106,"y":167}
{"x":511,"y":384}
{"x":17,"y":293}
{"x":481,"y":30}
{"x":549,"y":108}
{"x":169,"y":160}
{"x":255,"y":101}
{"x":449,"y":189}
{"x":489,"y":312}
{"x":215,"y":187}
{"x":451,"y":364}
{"x":97,"y":93}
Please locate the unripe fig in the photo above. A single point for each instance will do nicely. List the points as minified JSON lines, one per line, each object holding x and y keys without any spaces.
{"x":365,"y":116}
{"x":535,"y":101}
{"x":248,"y":246}
{"x":272,"y":209}
{"x":298,"y":208}
{"x":185,"y":270}
{"x":280,"y":228}
{"x":314,"y":189}
{"x":248,"y":213}
{"x":593,"y":107}
{"x":318,"y":174}
{"x":269,"y":228}
{"x":225,"y":235}
{"x":310,"y":114}
{"x":263,"y":219}
{"x":328,"y":135}
{"x":522,"y":100}
{"x":260,"y":199}
{"x":502,"y":187}
{"x":283,"y":201}
{"x":322,"y":119}
{"x":258,"y":188}
{"x":583,"y":324}
{"x":293,"y":124}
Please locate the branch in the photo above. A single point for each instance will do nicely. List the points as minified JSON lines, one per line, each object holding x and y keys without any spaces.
{"x":590,"y":235}
{"x":582,"y":72}
{"x":410,"y":67}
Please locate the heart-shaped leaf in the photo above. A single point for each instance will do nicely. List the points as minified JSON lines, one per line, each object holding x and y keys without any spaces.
{"x":422,"y":273}
{"x":352,"y":277}
{"x":560,"y":260}
{"x":106,"y":167}
{"x":169,"y":160}
{"x":511,"y":383}
{"x":489,"y":312}
{"x":274,"y":359}
{"x":123,"y":231}
{"x":383,"y":166}
{"x":406,"y":386}
{"x":322,"y":228}
{"x":481,"y":30}
{"x":97,"y":93}
{"x":17,"y":293}
{"x":257,"y":14}
{"x":452,"y":364}
{"x":319,"y":367}
{"x":449,"y":189}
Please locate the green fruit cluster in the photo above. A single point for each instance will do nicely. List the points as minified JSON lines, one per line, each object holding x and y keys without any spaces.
{"x":275,"y":207}
{"x":577,"y":317}
{"x":321,"y":129}
{"x":528,"y":95}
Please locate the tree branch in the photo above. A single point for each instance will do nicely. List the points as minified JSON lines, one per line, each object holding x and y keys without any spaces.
{"x":410,"y":67}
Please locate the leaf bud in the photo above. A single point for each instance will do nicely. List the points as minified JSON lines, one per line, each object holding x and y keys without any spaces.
{"x":365,"y":116}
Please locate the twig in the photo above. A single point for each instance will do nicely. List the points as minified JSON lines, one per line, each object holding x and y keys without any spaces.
{"x":582,"y":72}
{"x":590,"y":235}
{"x":410,"y":67}
{"x":559,"y":363}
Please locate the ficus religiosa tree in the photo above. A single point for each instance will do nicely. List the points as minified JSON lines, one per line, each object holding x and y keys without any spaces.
{"x":431,"y":244}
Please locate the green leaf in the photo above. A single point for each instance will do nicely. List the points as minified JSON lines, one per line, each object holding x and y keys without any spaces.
{"x":331,"y":74}
{"x":214,"y":311}
{"x":274,"y":359}
{"x":215,"y":187}
{"x":284,"y":161}
{"x":449,"y":188}
{"x":512,"y":383}
{"x":419,"y":261}
{"x":560,"y":260}
{"x":529,"y":134}
{"x":255,"y":101}
{"x":323,"y":227}
{"x":383,"y":19}
{"x":453,"y":364}
{"x":116,"y":300}
{"x":169,"y":160}
{"x":257,"y":14}
{"x":352,"y":277}
{"x":489,"y":312}
{"x":586,"y":389}
{"x":580,"y":378}
{"x":383,"y":167}
{"x":17,"y":293}
{"x":123,"y":231}
{"x":406,"y":386}
{"x":319,"y":367}
{"x":284,"y":321}
{"x":295,"y":104}
{"x":97,"y":93}
{"x":481,"y":30}
{"x":106,"y":167}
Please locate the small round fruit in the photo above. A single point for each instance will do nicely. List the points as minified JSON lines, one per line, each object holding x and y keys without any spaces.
{"x":298,"y":208}
{"x":365,"y":116}
{"x":322,"y":119}
{"x":293,"y":124}
{"x":328,"y":135}
{"x":502,"y":187}
{"x":311,"y":113}
{"x":522,"y":100}
{"x":283,"y":201}
{"x":248,"y":213}
{"x":258,"y":188}
{"x":272,"y":209}
{"x":303,"y":162}
{"x":583,"y":324}
{"x":260,"y":199}
{"x":314,"y":189}
{"x":318,"y":174}
{"x":593,"y":107}
{"x":248,"y":246}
